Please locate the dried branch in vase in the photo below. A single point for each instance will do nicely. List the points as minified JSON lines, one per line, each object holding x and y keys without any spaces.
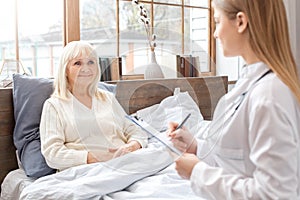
{"x":145,"y":20}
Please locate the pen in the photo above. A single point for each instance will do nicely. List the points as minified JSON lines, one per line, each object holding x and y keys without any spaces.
{"x":182,"y":123}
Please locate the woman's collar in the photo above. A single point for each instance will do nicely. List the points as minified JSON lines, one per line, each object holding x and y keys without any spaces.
{"x":253,"y":70}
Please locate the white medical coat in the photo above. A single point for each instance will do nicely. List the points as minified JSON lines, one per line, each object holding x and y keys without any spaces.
{"x":257,"y":153}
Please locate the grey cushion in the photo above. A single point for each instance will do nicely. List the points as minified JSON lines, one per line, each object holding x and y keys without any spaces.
{"x":29,"y":95}
{"x":108,"y":87}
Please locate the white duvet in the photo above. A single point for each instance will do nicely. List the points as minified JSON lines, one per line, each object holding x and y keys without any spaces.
{"x":144,"y":174}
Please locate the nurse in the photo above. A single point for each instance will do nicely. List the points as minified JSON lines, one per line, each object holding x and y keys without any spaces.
{"x":252,"y":148}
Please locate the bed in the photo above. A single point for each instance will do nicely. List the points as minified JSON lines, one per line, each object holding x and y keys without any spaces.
{"x":160,"y":182}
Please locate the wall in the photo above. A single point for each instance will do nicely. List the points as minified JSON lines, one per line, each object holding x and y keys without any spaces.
{"x":229,"y":66}
{"x":298,"y":35}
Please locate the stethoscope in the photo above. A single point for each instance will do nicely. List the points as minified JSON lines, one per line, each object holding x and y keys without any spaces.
{"x":214,"y":130}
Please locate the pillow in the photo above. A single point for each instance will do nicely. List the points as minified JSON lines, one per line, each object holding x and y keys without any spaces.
{"x":29,"y":95}
{"x":173,"y":108}
{"x":108,"y":87}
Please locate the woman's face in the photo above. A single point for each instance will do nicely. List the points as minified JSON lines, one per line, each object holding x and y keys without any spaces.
{"x":81,"y":71}
{"x":226,"y":31}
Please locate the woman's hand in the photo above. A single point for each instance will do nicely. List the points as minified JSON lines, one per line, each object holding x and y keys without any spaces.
{"x":127,"y":148}
{"x":185,"y":165}
{"x":182,"y":139}
{"x":102,"y":156}
{"x":99,"y":156}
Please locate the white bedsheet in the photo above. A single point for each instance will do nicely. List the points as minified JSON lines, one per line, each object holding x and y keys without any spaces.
{"x":13,"y":184}
{"x":165,"y":185}
{"x":144,"y":174}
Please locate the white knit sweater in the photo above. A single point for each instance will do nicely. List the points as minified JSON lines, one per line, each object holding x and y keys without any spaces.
{"x":69,"y":130}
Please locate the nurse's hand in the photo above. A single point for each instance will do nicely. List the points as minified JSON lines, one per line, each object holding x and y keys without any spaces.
{"x":185,"y":165}
{"x":181,"y":138}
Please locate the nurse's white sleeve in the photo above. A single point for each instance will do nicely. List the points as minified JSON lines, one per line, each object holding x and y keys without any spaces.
{"x":273,"y":152}
{"x":203,"y":152}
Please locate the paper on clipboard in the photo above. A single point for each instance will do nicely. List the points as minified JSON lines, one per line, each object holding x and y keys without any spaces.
{"x":153,"y":132}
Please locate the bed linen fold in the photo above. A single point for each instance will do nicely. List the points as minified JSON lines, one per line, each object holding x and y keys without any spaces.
{"x":92,"y":181}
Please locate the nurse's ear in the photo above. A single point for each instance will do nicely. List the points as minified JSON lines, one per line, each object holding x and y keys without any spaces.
{"x":241,"y":22}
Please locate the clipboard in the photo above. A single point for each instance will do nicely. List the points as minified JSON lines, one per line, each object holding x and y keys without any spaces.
{"x":162,"y":138}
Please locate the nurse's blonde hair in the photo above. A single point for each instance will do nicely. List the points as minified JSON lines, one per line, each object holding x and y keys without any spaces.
{"x":75,"y":49}
{"x":268,"y":35}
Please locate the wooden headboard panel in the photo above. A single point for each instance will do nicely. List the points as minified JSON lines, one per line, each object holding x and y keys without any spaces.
{"x":7,"y":149}
{"x":206,"y":92}
{"x":132,"y":95}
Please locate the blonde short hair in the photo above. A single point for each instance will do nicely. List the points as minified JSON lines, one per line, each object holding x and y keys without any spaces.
{"x":73,"y":50}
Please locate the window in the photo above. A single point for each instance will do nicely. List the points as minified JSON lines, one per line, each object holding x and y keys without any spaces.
{"x":37,"y":31}
{"x":7,"y":36}
{"x":40,"y":35}
{"x":37,"y":40}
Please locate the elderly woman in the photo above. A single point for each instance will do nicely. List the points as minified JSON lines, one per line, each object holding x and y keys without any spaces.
{"x":80,"y":123}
